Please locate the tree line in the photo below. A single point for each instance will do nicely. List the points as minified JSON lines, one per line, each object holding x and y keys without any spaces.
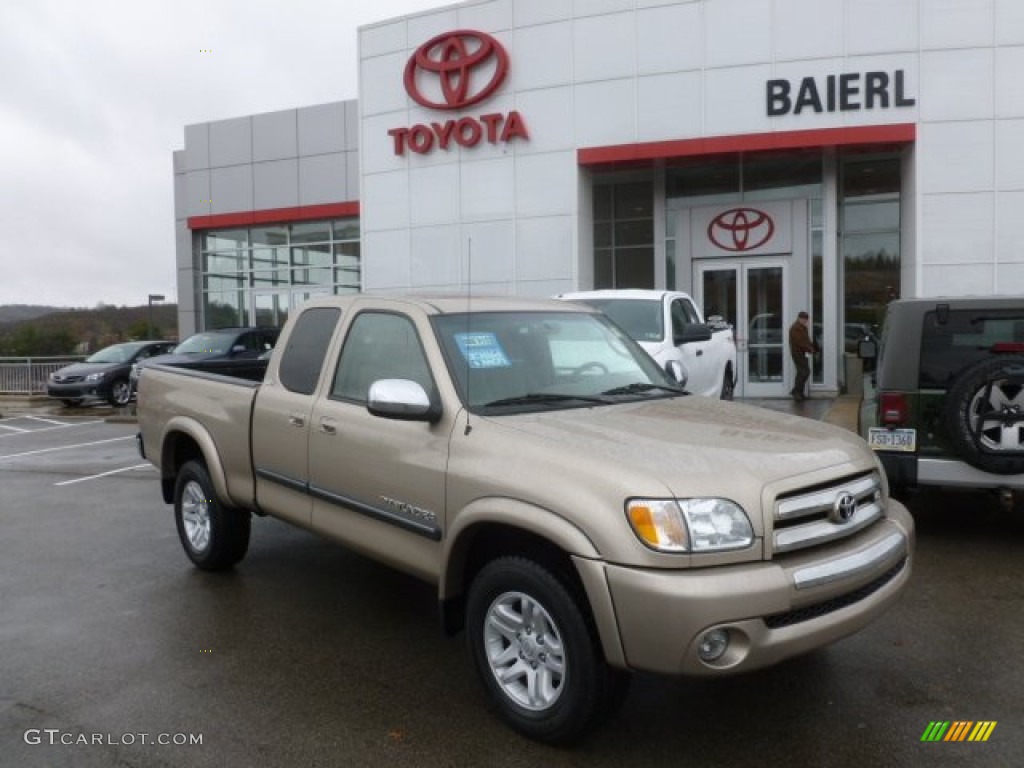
{"x":84,"y":331}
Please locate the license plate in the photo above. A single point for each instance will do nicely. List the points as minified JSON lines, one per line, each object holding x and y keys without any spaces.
{"x":881,"y":439}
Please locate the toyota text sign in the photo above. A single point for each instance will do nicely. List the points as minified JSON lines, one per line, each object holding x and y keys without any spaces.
{"x":452,"y":72}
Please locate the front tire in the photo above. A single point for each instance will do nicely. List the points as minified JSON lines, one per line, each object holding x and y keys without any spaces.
{"x":214,"y":537}
{"x":120,"y":393}
{"x":536,"y":651}
{"x":728,"y":385}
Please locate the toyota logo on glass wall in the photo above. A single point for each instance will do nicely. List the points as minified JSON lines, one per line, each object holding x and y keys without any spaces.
{"x":456,"y":70}
{"x":741,"y":229}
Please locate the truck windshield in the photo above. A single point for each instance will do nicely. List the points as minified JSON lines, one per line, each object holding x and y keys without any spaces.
{"x":643,"y":319}
{"x":506,"y":362}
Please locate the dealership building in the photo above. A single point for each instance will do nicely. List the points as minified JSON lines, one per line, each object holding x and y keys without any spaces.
{"x":765,"y":156}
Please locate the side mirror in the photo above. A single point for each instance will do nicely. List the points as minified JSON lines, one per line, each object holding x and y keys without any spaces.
{"x":402,"y":400}
{"x":676,"y":372}
{"x":867,"y":349}
{"x":691,"y":333}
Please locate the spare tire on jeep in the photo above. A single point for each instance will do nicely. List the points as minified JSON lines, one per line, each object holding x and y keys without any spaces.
{"x":985,"y":415}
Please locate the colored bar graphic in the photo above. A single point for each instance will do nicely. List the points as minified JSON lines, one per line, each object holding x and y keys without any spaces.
{"x":935,"y":731}
{"x":982,"y":731}
{"x":958,"y":730}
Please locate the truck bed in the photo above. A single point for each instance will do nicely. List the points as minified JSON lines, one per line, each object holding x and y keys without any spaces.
{"x":209,"y":407}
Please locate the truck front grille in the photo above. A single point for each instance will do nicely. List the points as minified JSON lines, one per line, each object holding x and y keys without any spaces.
{"x":814,"y":517}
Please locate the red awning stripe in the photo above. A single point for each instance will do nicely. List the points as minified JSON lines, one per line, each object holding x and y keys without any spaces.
{"x":900,"y":133}
{"x":275,"y":216}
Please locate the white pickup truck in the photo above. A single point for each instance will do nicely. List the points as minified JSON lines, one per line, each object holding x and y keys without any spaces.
{"x":670,"y":327}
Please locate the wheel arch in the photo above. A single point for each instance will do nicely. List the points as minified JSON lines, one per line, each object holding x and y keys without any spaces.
{"x":495,"y":528}
{"x":186,"y":440}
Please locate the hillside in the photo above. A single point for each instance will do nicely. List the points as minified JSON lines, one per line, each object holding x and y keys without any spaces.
{"x":16,"y":313}
{"x":79,"y":331}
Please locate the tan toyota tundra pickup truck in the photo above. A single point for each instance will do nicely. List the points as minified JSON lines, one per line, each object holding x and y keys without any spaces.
{"x":580,"y":514}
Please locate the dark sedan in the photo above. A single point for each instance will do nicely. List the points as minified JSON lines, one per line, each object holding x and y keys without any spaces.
{"x":105,"y":375}
{"x":231,"y":351}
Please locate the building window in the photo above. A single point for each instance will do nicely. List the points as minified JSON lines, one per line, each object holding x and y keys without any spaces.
{"x":869,"y":242}
{"x":255,"y":276}
{"x":624,"y":234}
{"x":744,"y":177}
{"x":817,"y":249}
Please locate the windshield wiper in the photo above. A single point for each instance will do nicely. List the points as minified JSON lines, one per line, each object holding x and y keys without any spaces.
{"x":544,"y":397}
{"x":640,"y":386}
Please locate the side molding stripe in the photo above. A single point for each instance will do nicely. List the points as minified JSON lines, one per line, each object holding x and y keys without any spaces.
{"x":385,"y":516}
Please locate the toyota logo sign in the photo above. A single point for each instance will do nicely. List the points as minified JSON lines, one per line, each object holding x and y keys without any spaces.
{"x":457,"y":69}
{"x":453,"y":71}
{"x":741,"y":229}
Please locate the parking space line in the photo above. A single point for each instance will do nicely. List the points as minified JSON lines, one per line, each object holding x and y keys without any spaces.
{"x":49,"y":429}
{"x":65,"y":447}
{"x":13,"y":429}
{"x":102,"y":474}
{"x":48,"y":421}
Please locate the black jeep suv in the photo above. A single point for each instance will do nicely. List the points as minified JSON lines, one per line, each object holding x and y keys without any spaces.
{"x":948,"y":401}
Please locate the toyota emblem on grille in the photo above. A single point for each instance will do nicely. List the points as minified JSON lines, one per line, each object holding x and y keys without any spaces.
{"x":844,"y":508}
{"x":741,"y":229}
{"x":461,"y":68}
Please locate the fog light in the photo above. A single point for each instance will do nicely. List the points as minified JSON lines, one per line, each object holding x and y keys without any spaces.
{"x":713,"y":644}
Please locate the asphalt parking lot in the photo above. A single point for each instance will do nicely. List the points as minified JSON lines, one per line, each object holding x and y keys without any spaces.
{"x":307,"y":654}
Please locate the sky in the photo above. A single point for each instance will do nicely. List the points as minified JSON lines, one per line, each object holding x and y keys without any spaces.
{"x":94,"y":98}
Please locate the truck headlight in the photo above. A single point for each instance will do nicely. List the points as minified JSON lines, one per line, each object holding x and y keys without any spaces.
{"x":690,"y":525}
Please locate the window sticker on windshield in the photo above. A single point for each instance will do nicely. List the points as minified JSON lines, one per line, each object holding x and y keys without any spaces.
{"x":482,"y":350}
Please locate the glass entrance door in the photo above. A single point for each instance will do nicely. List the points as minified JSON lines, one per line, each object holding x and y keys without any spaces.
{"x":750,"y":295}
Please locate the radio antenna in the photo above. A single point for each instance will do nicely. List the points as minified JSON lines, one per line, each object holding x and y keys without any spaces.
{"x":467,"y":344}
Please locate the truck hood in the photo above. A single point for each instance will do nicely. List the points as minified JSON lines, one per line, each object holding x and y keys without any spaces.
{"x":692,"y":443}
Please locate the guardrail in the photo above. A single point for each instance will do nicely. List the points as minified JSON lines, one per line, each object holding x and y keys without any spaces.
{"x":28,"y":375}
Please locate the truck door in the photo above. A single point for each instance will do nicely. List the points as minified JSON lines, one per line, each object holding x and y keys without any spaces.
{"x":378,"y":484}
{"x":282,"y":415}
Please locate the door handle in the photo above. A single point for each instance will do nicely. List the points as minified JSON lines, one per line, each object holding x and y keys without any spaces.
{"x":296,"y":420}
{"x":328,"y":426}
{"x":700,"y":352}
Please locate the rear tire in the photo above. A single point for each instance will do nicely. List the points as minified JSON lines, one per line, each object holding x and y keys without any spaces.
{"x":536,"y":652}
{"x":214,"y":536}
{"x":984,"y":410}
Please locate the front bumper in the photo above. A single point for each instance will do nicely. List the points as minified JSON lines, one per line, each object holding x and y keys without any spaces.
{"x":79,"y":390}
{"x":772,"y":610}
{"x":909,"y":470}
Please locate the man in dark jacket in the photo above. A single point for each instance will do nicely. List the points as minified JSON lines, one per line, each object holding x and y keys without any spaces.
{"x":800,"y":349}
